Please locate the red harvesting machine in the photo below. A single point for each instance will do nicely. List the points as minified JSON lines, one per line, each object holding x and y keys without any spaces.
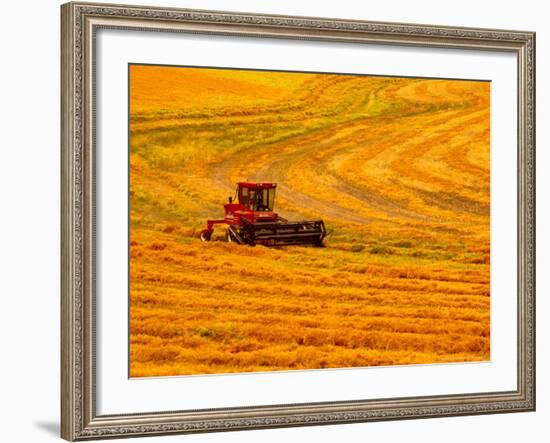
{"x":251,"y":220}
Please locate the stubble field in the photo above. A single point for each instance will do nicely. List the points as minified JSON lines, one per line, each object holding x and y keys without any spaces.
{"x":397,"y":168}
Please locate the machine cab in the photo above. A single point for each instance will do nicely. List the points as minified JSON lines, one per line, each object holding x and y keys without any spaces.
{"x":256,"y":196}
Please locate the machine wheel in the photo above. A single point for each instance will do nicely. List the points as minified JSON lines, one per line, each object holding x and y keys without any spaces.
{"x":206,"y":235}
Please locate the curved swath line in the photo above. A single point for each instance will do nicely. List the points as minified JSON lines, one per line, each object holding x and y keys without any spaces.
{"x":371,"y":198}
{"x":277,"y":113}
{"x":275,"y":170}
{"x":299,"y":103}
{"x":449,"y":136}
{"x":405,"y":165}
{"x":364,"y":196}
{"x":458,"y":157}
{"x":278,"y":171}
{"x":377,"y":201}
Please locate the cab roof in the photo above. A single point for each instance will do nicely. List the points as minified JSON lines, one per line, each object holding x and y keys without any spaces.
{"x":262,"y":185}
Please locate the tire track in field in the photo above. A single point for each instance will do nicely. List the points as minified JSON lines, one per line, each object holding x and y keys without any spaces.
{"x":276,"y":167}
{"x":443,"y":134}
{"x":275,"y":170}
{"x":297,"y":153}
{"x":301,"y":148}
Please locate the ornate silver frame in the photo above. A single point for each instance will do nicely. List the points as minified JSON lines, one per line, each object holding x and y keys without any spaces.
{"x":80,"y":21}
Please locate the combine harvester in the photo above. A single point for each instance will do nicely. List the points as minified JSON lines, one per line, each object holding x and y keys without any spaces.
{"x":252,"y":221}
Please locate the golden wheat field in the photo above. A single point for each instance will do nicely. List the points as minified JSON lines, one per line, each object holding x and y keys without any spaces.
{"x":398,"y":168}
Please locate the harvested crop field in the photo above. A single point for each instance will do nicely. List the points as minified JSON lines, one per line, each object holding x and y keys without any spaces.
{"x":399,"y":170}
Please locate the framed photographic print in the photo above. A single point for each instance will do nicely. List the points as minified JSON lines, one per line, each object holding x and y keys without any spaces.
{"x":284,"y":221}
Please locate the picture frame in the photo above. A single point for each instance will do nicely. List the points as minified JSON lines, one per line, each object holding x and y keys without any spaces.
{"x":79,"y":179}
